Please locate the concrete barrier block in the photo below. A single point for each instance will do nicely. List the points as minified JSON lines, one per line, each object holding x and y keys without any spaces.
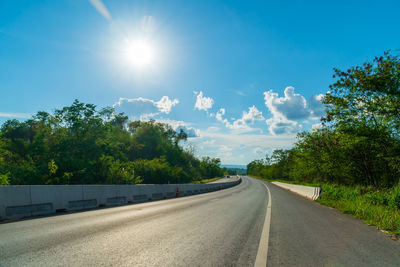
{"x":170,"y":190}
{"x":127,"y":191}
{"x":25,"y":200}
{"x":61,"y":196}
{"x":13,"y":196}
{"x":139,"y":198}
{"x":306,"y":191}
{"x":99,"y":192}
{"x":146,"y":190}
{"x":82,"y":204}
{"x":115,"y":201}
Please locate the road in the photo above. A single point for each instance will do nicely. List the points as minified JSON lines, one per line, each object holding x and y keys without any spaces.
{"x":221,"y":228}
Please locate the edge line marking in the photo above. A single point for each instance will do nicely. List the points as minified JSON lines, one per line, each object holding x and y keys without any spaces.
{"x":262,"y":253}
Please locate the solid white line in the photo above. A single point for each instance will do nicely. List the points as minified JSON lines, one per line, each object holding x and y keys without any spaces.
{"x":262,"y":253}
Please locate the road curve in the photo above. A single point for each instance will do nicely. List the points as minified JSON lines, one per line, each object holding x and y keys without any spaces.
{"x":221,"y":228}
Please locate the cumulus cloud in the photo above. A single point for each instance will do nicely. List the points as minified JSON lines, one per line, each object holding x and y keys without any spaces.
{"x":165,"y":104}
{"x":203,"y":102}
{"x":279,"y":126}
{"x":248,"y":118}
{"x":253,"y":115}
{"x":219,"y":116}
{"x":317,"y":108}
{"x":292,"y":106}
{"x":181,"y":125}
{"x":288,"y":110}
{"x":190,"y":131}
{"x":143,"y":108}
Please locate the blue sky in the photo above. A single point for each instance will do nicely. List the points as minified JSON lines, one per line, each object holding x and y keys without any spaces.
{"x":241,"y":77}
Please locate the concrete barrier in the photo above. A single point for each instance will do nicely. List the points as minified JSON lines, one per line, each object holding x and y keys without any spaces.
{"x":305,"y":191}
{"x":18,"y":201}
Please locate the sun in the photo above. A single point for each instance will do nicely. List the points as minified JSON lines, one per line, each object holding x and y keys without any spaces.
{"x":140,"y":54}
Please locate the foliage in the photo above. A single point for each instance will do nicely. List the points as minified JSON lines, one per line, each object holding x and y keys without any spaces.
{"x":355,"y":156}
{"x":79,"y":144}
{"x":377,"y":207}
{"x":359,"y":143}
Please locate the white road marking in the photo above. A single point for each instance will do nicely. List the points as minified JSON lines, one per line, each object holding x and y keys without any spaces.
{"x":262,"y":253}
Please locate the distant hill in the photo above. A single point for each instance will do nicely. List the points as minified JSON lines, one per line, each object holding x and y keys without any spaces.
{"x":234,"y":166}
{"x":235,"y":169}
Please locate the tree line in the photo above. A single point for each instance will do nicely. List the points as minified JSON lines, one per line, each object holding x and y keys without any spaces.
{"x":359,"y":139}
{"x":80,"y":144}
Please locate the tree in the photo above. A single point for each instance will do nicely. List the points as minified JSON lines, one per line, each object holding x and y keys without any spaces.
{"x":360,"y":141}
{"x":80,"y":144}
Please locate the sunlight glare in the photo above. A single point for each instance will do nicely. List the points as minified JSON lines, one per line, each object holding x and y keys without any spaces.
{"x":140,"y":54}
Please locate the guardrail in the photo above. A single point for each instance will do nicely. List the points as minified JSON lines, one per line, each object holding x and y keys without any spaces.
{"x":18,"y":201}
{"x":306,"y":191}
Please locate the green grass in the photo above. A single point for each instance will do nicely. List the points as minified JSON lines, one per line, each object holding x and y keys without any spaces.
{"x":376,"y":207}
{"x":206,"y":180}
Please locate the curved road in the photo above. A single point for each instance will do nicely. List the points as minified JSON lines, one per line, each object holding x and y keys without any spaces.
{"x":221,"y":228}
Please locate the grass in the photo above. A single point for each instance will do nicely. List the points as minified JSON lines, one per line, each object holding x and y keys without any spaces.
{"x":376,"y":207}
{"x":206,"y":180}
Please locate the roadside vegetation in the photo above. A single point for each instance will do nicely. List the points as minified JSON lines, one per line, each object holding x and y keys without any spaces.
{"x":205,"y":181}
{"x":80,"y":144}
{"x":355,"y":154}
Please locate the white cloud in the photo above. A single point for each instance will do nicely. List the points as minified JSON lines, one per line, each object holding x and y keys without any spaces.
{"x":213,"y":129}
{"x":225,"y":151}
{"x":317,"y":108}
{"x":202,"y":102}
{"x":101,"y":8}
{"x":288,"y":110}
{"x":292,"y":106}
{"x":165,"y":104}
{"x":209,"y":142}
{"x":316,"y":126}
{"x":253,"y":115}
{"x":190,"y":131}
{"x":181,"y":125}
{"x":278,"y":126}
{"x":142,"y":108}
{"x":247,"y":118}
{"x":220,"y":113}
{"x":15,"y":115}
{"x":234,"y":148}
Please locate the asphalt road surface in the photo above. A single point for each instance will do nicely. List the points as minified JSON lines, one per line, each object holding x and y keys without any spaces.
{"x":221,"y":228}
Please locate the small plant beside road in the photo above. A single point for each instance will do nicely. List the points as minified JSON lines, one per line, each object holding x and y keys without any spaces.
{"x":376,"y":207}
